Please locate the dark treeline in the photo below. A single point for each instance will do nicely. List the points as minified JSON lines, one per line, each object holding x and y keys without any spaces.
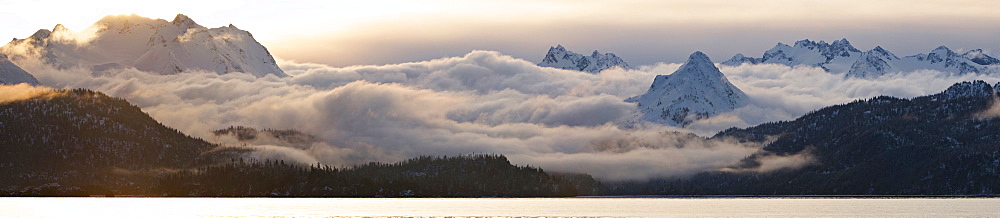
{"x":461,"y":176}
{"x":243,"y":133}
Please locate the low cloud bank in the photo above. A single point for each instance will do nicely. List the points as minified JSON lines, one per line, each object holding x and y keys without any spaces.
{"x":483,"y":102}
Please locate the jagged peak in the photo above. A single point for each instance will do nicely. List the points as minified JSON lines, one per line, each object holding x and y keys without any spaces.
{"x":698,"y":56}
{"x":595,"y":54}
{"x":59,"y":27}
{"x":739,"y":59}
{"x":842,"y":41}
{"x":806,"y":42}
{"x":980,"y":57}
{"x":878,"y":50}
{"x":184,"y":20}
{"x":233,"y":26}
{"x":975,"y":51}
{"x":181,"y":18}
{"x":557,"y":48}
{"x":836,"y":45}
{"x":41,"y":34}
{"x":941,"y":49}
{"x":698,"y":64}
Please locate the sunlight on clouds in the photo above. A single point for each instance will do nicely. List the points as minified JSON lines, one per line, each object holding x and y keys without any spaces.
{"x":10,"y":93}
{"x":344,"y":33}
{"x":485,"y":102}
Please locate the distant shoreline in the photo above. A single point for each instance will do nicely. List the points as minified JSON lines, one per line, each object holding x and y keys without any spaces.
{"x":595,"y":197}
{"x":794,"y":196}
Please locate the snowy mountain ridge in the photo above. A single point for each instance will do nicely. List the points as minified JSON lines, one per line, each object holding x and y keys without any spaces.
{"x":11,"y":74}
{"x":697,"y":90}
{"x":842,"y":58}
{"x":836,"y":56}
{"x":559,"y":57}
{"x":154,"y":45}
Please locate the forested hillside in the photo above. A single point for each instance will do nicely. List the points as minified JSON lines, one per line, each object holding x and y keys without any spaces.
{"x":81,"y":143}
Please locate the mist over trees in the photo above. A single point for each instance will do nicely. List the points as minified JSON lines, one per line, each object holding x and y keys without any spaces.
{"x":80,"y":143}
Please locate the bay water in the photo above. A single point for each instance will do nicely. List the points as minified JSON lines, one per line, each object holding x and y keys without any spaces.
{"x":500,"y":207}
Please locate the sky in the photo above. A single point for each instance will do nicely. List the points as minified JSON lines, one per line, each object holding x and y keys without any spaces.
{"x":344,"y":33}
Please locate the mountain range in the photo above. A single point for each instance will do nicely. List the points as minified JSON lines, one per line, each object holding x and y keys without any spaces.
{"x":842,"y":58}
{"x":154,"y":45}
{"x":559,"y":57}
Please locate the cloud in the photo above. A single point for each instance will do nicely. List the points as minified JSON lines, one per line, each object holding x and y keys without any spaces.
{"x":768,"y":162}
{"x":10,"y":93}
{"x":992,"y":112}
{"x":482,"y":102}
{"x":779,"y":92}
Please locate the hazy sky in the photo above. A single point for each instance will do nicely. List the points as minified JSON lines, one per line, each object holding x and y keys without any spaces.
{"x":501,"y":102}
{"x":341,"y":33}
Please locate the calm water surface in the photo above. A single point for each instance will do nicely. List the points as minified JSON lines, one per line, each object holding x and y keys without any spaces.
{"x":493,"y":207}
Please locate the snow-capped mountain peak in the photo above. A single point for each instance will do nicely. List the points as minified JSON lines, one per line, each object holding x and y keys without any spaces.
{"x":153,"y":45}
{"x":842,"y":43}
{"x":559,"y":57}
{"x":697,"y":90}
{"x":841,"y":57}
{"x":873,"y":63}
{"x":185,"y":22}
{"x":881,"y":52}
{"x":939,"y":54}
{"x":944,"y":59}
{"x":698,"y":65}
{"x":739,"y":59}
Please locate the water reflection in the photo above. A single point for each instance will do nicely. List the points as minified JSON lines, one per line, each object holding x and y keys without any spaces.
{"x":496,"y":207}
